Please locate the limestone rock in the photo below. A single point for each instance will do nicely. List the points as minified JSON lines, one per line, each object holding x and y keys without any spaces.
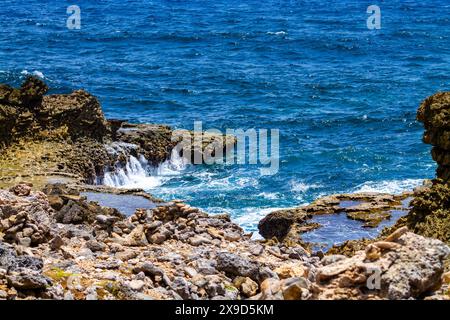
{"x":290,"y":270}
{"x":247,"y":286}
{"x":410,"y":269}
{"x":23,"y":216}
{"x":295,"y":288}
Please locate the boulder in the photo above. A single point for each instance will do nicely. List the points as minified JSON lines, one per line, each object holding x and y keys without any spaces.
{"x":408,"y":268}
{"x":28,"y":280}
{"x":247,"y":286}
{"x":9,"y":260}
{"x":235,"y":265}
{"x":79,"y":112}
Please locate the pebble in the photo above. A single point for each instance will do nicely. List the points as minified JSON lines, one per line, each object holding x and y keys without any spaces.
{"x":191,"y":272}
{"x":136,"y":285}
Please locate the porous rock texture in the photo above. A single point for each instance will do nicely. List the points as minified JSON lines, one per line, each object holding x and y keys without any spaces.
{"x":370,"y":208}
{"x":434,"y":113}
{"x":430,"y":212}
{"x":55,"y":244}
{"x":66,"y":138}
{"x":176,"y":251}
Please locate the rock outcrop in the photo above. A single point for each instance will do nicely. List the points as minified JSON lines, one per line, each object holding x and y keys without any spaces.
{"x":430,"y":209}
{"x":370,"y":208}
{"x":175,"y":251}
{"x":430,"y":212}
{"x":79,"y":113}
{"x":66,"y":138}
{"x":434,"y":113}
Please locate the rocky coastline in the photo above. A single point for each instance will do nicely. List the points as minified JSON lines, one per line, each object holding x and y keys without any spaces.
{"x":64,"y":235}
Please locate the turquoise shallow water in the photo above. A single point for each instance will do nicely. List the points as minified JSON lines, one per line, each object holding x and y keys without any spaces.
{"x":343,"y":97}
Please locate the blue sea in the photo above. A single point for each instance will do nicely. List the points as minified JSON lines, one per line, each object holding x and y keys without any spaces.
{"x":343,"y":97}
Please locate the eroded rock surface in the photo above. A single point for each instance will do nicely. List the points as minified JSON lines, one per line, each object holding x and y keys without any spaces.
{"x":66,"y":138}
{"x":175,"y":251}
{"x":434,"y":113}
{"x":407,"y":267}
{"x":430,"y":212}
{"x":370,"y":208}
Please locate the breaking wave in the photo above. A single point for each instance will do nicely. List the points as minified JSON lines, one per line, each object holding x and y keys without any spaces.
{"x":137,"y":173}
{"x":389,"y":186}
{"x":36,"y":73}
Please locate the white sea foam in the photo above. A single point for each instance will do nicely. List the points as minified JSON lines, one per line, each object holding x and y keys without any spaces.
{"x":269,"y":195}
{"x":277,"y":33}
{"x":301,"y":187}
{"x":389,"y":186}
{"x":138,"y":174}
{"x":248,"y":217}
{"x":36,"y":73}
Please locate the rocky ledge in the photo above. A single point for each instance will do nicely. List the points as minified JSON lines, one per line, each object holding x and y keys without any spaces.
{"x":59,"y":245}
{"x":371,"y":208}
{"x":66,"y":138}
{"x":64,"y":236}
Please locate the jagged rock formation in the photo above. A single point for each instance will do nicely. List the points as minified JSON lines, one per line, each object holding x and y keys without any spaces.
{"x":55,"y":244}
{"x":55,"y":135}
{"x":16,"y":109}
{"x":175,"y":251}
{"x":79,"y":112}
{"x":434,"y":113}
{"x":66,"y":138}
{"x":430,"y":212}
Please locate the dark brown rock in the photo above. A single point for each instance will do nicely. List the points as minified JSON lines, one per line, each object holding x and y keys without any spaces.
{"x":32,"y":92}
{"x":434,"y":113}
{"x":79,"y":111}
{"x":155,"y":141}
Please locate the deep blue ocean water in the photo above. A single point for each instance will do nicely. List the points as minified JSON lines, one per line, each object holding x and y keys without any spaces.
{"x":343,"y":97}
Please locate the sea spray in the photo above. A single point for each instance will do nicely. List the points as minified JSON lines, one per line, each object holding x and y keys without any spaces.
{"x":137,"y":173}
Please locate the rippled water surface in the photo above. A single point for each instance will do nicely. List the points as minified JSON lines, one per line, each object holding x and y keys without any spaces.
{"x":344,"y":97}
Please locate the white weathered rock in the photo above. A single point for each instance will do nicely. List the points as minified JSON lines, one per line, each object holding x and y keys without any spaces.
{"x":408,"y":269}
